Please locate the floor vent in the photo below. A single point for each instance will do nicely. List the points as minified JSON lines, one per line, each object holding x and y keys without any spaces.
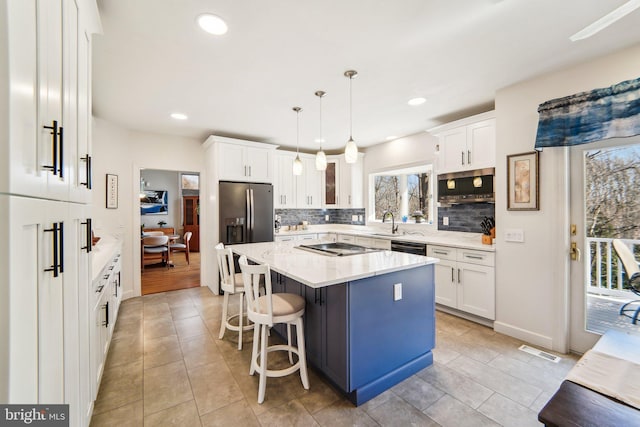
{"x":539,"y":353}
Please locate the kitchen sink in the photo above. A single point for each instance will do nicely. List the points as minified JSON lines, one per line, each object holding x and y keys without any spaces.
{"x":385,"y":234}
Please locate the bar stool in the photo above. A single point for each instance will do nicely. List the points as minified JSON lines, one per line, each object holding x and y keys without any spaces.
{"x":231,"y":283}
{"x":266,"y":310}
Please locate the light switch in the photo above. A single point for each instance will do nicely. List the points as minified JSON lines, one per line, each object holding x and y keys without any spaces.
{"x":354,"y":218}
{"x":445,"y":220}
{"x":514,"y":235}
{"x":359,"y":218}
{"x":397,"y":291}
{"x":326,"y":217}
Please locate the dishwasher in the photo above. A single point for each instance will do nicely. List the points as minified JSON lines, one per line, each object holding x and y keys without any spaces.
{"x":409,"y":247}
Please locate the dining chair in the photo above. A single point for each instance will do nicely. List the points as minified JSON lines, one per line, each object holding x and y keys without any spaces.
{"x":154,"y":247}
{"x":152,"y":233}
{"x":266,"y":310}
{"x":231,"y":284}
{"x":633,"y":278}
{"x":182,"y":247}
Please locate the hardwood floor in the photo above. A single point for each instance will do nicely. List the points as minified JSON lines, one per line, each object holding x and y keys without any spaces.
{"x":158,"y":278}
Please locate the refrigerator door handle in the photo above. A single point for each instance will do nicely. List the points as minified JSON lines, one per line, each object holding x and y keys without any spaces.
{"x":248,"y":225}
{"x":252,"y":214}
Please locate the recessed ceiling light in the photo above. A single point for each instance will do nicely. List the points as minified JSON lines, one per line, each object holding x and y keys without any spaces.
{"x":416,"y":101}
{"x":179,"y":116}
{"x":212,"y":24}
{"x":391,"y":137}
{"x":606,"y":20}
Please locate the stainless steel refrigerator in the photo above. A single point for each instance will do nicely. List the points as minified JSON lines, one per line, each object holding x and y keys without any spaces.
{"x":246,"y":212}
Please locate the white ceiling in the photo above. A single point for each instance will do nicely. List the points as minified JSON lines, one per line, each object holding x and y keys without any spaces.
{"x":153,"y":60}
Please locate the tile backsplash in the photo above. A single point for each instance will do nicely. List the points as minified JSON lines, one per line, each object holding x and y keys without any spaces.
{"x":465,"y":217}
{"x":317,"y":216}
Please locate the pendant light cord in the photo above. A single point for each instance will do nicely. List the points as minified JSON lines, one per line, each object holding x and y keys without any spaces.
{"x":320,"y":123}
{"x":297,"y":132}
{"x":350,"y":107}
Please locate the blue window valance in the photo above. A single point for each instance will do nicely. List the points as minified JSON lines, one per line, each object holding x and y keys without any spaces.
{"x":590,"y":116}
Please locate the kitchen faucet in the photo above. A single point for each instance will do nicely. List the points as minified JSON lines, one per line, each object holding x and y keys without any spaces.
{"x":394,"y":227}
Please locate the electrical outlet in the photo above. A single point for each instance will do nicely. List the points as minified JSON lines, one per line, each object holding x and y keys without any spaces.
{"x":397,"y":291}
{"x":359,"y":218}
{"x":354,"y":218}
{"x":326,"y":218}
{"x":445,"y":220}
{"x":514,"y":235}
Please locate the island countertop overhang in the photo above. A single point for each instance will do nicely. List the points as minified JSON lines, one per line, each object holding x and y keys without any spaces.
{"x":317,"y":271}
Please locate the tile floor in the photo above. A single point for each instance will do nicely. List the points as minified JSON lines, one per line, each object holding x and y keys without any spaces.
{"x":166,"y":366}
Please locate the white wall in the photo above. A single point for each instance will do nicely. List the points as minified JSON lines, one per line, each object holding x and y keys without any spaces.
{"x":166,"y":181}
{"x":532,"y":278}
{"x":124,"y":152}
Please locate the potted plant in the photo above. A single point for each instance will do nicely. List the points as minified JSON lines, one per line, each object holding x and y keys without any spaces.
{"x":417,"y":216}
{"x":161,"y":223}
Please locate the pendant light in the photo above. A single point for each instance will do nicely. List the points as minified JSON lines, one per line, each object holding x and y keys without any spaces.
{"x":297,"y":163}
{"x":351,"y":149}
{"x":321,"y":158}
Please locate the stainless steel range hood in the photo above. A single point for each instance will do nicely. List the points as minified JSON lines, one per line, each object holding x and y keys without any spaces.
{"x":466,"y":187}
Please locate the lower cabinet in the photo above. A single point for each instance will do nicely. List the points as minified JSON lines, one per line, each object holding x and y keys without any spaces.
{"x":465,"y":280}
{"x":106,"y":302}
{"x":325,"y":326}
{"x":326,"y":329}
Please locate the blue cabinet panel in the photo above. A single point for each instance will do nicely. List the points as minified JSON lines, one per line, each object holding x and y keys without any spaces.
{"x":387,"y":334}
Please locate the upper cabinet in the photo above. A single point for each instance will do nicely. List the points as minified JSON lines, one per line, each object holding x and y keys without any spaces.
{"x":467,"y":144}
{"x":240,"y":160}
{"x":343,"y":183}
{"x":45,"y":58}
{"x":291,"y":191}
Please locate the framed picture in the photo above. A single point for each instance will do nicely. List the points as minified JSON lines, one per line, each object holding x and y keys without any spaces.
{"x":112,"y":191}
{"x":523,"y":193}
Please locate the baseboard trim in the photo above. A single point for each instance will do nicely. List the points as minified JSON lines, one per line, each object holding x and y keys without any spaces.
{"x":524,"y":335}
{"x":464,"y":315}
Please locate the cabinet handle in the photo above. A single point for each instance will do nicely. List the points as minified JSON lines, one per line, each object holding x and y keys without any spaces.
{"x":99,"y":289}
{"x":106,"y":314}
{"x":88,"y":242}
{"x":54,"y":152}
{"x":60,"y":147}
{"x":249,"y":170}
{"x":452,"y":278}
{"x":58,"y":248}
{"x":468,"y":157}
{"x":440,"y":252}
{"x":285,"y":199}
{"x":474,"y":257}
{"x":458,"y":275}
{"x":349,"y":198}
{"x":462,"y":158}
{"x":88,"y":167}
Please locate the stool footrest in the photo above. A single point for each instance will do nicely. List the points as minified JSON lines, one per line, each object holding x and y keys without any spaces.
{"x":275,"y":373}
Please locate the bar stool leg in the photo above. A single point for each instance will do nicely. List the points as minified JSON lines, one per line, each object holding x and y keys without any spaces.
{"x":289,"y":342}
{"x":225,"y":307}
{"x":254,"y":352}
{"x":302,"y":354}
{"x":262,"y":385}
{"x":241,"y":309}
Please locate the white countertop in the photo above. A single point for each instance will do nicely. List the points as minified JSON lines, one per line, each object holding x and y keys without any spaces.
{"x":429,"y":236}
{"x":317,"y":270}
{"x":103,"y":252}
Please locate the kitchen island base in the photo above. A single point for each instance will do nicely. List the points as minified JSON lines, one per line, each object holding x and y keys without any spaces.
{"x":367,"y":335}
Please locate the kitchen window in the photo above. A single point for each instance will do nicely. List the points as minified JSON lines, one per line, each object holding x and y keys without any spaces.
{"x":407,"y":193}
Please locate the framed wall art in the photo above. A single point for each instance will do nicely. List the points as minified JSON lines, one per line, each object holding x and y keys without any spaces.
{"x":112,"y":191}
{"x":523,"y":192}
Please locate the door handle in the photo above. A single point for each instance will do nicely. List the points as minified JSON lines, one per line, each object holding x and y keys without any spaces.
{"x":575,"y":252}
{"x":468,"y":157}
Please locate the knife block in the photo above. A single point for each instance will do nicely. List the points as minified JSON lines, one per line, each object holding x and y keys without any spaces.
{"x":487,"y":239}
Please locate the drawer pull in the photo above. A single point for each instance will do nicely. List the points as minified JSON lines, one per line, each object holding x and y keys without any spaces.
{"x":475,"y":257}
{"x":441,"y":253}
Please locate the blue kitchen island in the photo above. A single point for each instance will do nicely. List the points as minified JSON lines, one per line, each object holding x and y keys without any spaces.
{"x":369,"y":318}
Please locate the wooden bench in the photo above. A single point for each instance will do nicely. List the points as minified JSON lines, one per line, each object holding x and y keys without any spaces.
{"x":575,"y":405}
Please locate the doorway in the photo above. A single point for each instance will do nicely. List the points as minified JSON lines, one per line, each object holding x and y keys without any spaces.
{"x":605,"y":204}
{"x":169,"y":204}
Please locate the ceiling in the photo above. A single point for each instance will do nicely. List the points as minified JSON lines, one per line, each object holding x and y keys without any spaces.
{"x":152,"y":60}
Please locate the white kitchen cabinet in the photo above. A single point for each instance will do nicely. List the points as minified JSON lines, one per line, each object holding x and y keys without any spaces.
{"x":285,"y":184}
{"x":465,"y":279}
{"x":327,"y":237}
{"x":372,"y":242}
{"x":296,"y":237}
{"x":342,"y":183}
{"x":308,"y":185}
{"x":346,"y":238}
{"x":39,"y":57}
{"x":467,"y":144}
{"x":244,"y":160}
